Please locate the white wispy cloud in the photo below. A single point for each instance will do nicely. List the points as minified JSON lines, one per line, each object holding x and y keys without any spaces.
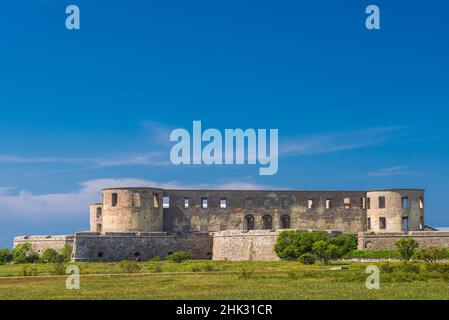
{"x":339,"y":141}
{"x":158,"y":134}
{"x":392,"y":171}
{"x":24,"y":205}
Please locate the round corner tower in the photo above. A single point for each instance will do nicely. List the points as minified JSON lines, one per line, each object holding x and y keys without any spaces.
{"x":132,"y":210}
{"x":395,"y":210}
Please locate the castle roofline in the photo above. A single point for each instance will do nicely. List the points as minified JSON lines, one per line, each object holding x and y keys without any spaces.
{"x":260,"y":190}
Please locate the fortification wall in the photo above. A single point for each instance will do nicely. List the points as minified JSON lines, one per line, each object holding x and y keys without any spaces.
{"x":387,"y":240}
{"x":349,"y":218}
{"x":42,"y":243}
{"x":256,"y":245}
{"x":132,"y":246}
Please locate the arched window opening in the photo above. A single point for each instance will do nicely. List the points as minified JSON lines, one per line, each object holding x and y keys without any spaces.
{"x":267,"y":222}
{"x":285,"y":222}
{"x":248,"y":223}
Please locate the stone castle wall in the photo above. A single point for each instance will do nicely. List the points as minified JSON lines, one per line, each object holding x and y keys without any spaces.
{"x":387,"y":240}
{"x":276,"y":204}
{"x":90,"y":246}
{"x":42,"y":243}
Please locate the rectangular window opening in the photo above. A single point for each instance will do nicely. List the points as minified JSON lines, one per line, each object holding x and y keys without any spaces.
{"x":204,"y":203}
{"x":381,"y":202}
{"x":404,"y":201}
{"x":382,"y":223}
{"x":404,"y":223}
{"x":310,"y":204}
{"x":155,"y":200}
{"x":186,"y":203}
{"x":328,"y":203}
{"x":347,"y":203}
{"x":223,"y":203}
{"x":166,"y":202}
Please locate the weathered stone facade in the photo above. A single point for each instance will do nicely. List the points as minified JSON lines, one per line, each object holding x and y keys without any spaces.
{"x":89,"y":246}
{"x":387,"y":240}
{"x":141,"y":223}
{"x":42,"y":243}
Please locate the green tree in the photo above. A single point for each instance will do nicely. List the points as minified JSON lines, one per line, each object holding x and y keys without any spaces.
{"x":24,"y":253}
{"x":406,"y":247}
{"x":5,"y":256}
{"x":432,"y":254}
{"x":52,"y":256}
{"x":66,"y":252}
{"x":323,"y":251}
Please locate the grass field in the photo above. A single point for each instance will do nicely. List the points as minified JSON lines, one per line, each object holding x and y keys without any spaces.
{"x":220,"y":280}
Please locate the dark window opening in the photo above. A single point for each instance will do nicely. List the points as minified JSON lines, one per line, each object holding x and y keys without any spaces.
{"x":114,"y":199}
{"x":98,"y":213}
{"x":382,"y":223}
{"x":248,"y":222}
{"x":136,"y":254}
{"x":404,"y":223}
{"x":381,"y":202}
{"x":285,"y":222}
{"x":368,"y":203}
{"x":369,"y":223}
{"x":267,"y":222}
{"x":100,"y":254}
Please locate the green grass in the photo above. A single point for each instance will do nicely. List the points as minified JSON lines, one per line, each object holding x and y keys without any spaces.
{"x":222,"y":280}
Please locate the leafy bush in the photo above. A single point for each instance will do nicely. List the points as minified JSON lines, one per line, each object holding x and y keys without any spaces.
{"x":431,"y":255}
{"x":156,"y":258}
{"x":291,"y":245}
{"x":23,"y":253}
{"x":372,"y":254}
{"x":387,"y":267}
{"x":179,"y":256}
{"x":5,"y":256}
{"x":66,"y":252}
{"x":325,"y":251}
{"x":409,"y":267}
{"x":52,"y":256}
{"x":406,"y":248}
{"x":128,"y":266}
{"x":29,"y":271}
{"x":158,"y":267}
{"x":307,"y":258}
{"x":59,"y":268}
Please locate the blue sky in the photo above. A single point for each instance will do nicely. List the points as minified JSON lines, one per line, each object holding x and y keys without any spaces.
{"x":356,"y":109}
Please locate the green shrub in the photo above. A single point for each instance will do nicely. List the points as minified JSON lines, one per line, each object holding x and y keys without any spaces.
{"x":246,"y":273}
{"x":325,"y":251}
{"x":291,"y":245}
{"x":387,"y":267}
{"x":58,"y":268}
{"x":6,"y":256}
{"x":66,"y":253}
{"x":28,"y":271}
{"x":52,"y":256}
{"x":158,"y":267}
{"x":406,"y":247}
{"x":431,"y":255}
{"x":408,"y":267}
{"x":23,"y":253}
{"x":179,"y":256}
{"x":307,"y":258}
{"x":129,"y":266}
{"x":156,"y":258}
{"x":372,"y":254}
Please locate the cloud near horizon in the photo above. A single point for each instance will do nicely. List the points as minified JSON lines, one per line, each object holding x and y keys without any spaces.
{"x":25,"y":205}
